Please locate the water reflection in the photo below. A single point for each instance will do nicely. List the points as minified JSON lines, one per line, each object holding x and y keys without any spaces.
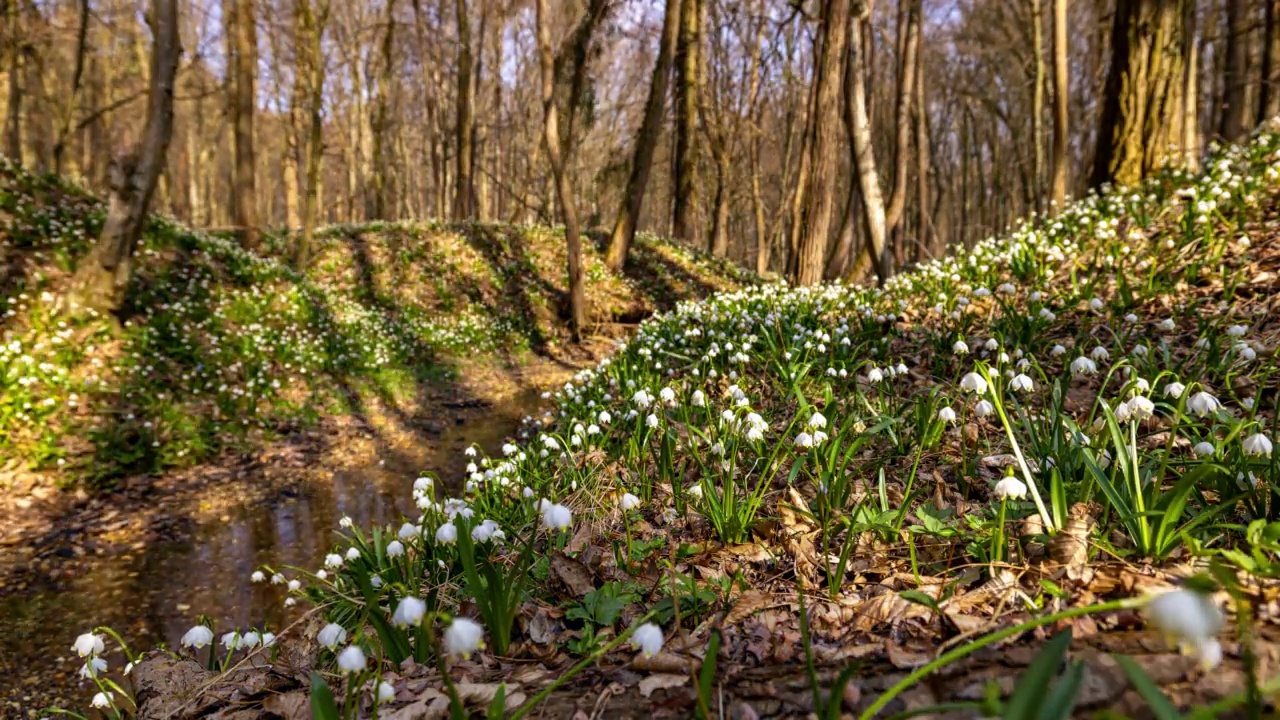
{"x":152,"y":594}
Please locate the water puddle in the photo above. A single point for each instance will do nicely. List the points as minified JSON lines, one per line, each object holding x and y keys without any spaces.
{"x":153,"y":594}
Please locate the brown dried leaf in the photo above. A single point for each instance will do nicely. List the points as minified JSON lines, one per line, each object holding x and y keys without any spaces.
{"x":746,"y":605}
{"x":573,"y":575}
{"x":661,"y":681}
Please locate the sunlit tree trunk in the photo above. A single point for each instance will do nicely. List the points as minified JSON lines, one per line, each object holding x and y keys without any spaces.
{"x":1190,"y":89}
{"x":688,"y":77}
{"x":381,"y":162}
{"x":103,"y":277}
{"x":311,"y":21}
{"x":1061,"y":88}
{"x":624,"y":228}
{"x":464,"y":191}
{"x":1142,"y":101}
{"x":910,"y":28}
{"x":859,"y":125}
{"x":242,"y":36}
{"x":1037,"y":104}
{"x":829,"y":52}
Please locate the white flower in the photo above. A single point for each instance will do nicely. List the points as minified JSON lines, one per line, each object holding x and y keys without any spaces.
{"x":352,"y":659}
{"x":92,"y":667}
{"x":1011,"y":487}
{"x":1189,"y":619}
{"x":295,"y":585}
{"x":991,"y":344}
{"x":629,"y":502}
{"x":1099,"y":353}
{"x":333,"y":561}
{"x":1237,"y":330}
{"x":1095,"y":304}
{"x":556,"y":516}
{"x":1257,"y":444}
{"x":668,"y":395}
{"x":960,"y":348}
{"x":103,"y":700}
{"x":248,"y":640}
{"x":975,"y":382}
{"x":804,"y":440}
{"x":1083,"y":366}
{"x":257,"y":576}
{"x":817,"y":420}
{"x":875,"y":375}
{"x":695,"y":491}
{"x":409,"y":612}
{"x":946,"y":414}
{"x":1202,"y":404}
{"x":447,"y":534}
{"x":231,"y":640}
{"x":1167,"y":324}
{"x":648,"y":639}
{"x":1204,"y":449}
{"x":1057,"y":350}
{"x":331,"y":635}
{"x":1022,"y":382}
{"x":197,"y":637}
{"x":268,"y":639}
{"x":386,"y":693}
{"x":1174,"y":390}
{"x":486,"y":531}
{"x":463,"y":637}
{"x":89,"y":644}
{"x":1140,"y":408}
{"x":395,"y":548}
{"x":983,"y":408}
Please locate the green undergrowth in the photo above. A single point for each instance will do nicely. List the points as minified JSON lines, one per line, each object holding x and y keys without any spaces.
{"x":219,"y":348}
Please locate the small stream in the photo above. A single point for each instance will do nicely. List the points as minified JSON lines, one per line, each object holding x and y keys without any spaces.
{"x":153,"y":594}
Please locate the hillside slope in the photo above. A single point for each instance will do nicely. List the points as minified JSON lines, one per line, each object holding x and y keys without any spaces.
{"x":221,"y":348}
{"x":1047,"y":431}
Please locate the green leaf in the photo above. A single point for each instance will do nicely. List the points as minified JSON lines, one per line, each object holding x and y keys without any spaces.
{"x":323,"y":706}
{"x":1033,"y":685}
{"x":498,"y":708}
{"x":1160,"y":705}
{"x":1062,"y":700}
{"x":919,"y":598}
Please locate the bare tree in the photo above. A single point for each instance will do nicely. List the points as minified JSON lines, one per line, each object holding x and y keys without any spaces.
{"x":688,"y":78}
{"x":1061,"y":88}
{"x":1269,"y":93}
{"x":464,"y":193}
{"x":103,"y":277}
{"x":242,"y":46}
{"x":624,"y":229}
{"x":859,"y":125}
{"x":311,"y":21}
{"x":1234,"y":81}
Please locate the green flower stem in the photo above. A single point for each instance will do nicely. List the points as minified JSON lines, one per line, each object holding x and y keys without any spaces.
{"x":995,"y":637}
{"x":582,"y":664}
{"x":1017,"y":452}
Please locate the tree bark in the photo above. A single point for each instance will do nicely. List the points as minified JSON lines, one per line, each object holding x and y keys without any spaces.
{"x":902,"y":143}
{"x":864,"y":157}
{"x":829,"y":54}
{"x":1190,"y":90}
{"x":310,"y":22}
{"x":69,"y":111}
{"x":17,"y":52}
{"x":381,"y":163}
{"x":1142,"y":100}
{"x":1234,"y":81}
{"x":1061,"y":88}
{"x":103,"y":277}
{"x":624,"y":228}
{"x":1269,"y":96}
{"x":1037,"y":105}
{"x":464,"y":191}
{"x":688,"y":77}
{"x":243,"y":38}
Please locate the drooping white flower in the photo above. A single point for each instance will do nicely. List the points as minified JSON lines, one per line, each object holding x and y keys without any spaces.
{"x":248,"y":640}
{"x":386,"y":693}
{"x":352,"y":660}
{"x":1058,"y":350}
{"x":257,"y":576}
{"x":333,"y":561}
{"x":1190,"y":620}
{"x":1096,"y":304}
{"x":1204,"y":449}
{"x":975,"y":382}
{"x":875,"y":375}
{"x":1140,"y":408}
{"x":409,"y":612}
{"x":197,"y":637}
{"x":629,"y":502}
{"x":946,"y":414}
{"x":92,"y":667}
{"x":1202,"y":404}
{"x":447,"y":534}
{"x":804,"y":440}
{"x":1257,"y":444}
{"x":1237,"y":331}
{"x":1167,"y":325}
{"x":1083,"y":366}
{"x":1011,"y":487}
{"x":395,"y":548}
{"x":817,"y":420}
{"x":960,"y":348}
{"x":103,"y":700}
{"x":556,"y":516}
{"x":1174,"y":390}
{"x":1099,"y":353}
{"x":463,"y":637}
{"x":983,"y":408}
{"x":89,"y":644}
{"x":331,"y":635}
{"x":1022,"y":382}
{"x":648,"y":639}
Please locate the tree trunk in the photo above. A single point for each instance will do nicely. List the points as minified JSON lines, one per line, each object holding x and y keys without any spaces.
{"x":1190,"y":90}
{"x":829,"y":54}
{"x":242,"y":37}
{"x":624,"y":229}
{"x":311,"y":21}
{"x":103,"y":277}
{"x":464,"y":191}
{"x":69,"y":111}
{"x":17,"y":55}
{"x":859,"y":125}
{"x":381,"y":163}
{"x":925,"y":243}
{"x":688,"y":68}
{"x":1061,"y":88}
{"x":1037,"y":105}
{"x":1234,"y":80}
{"x":1269,"y":97}
{"x":1142,"y":100}
{"x":902,"y":143}
{"x":719,"y":244}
